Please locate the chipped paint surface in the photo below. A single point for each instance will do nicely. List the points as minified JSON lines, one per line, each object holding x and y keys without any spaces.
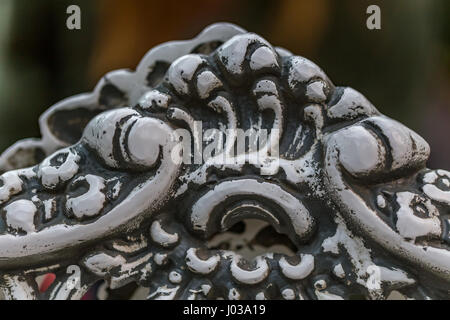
{"x":335,"y":202}
{"x":20,"y":215}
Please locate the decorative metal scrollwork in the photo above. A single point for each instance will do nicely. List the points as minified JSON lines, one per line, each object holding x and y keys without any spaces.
{"x":334,"y":203}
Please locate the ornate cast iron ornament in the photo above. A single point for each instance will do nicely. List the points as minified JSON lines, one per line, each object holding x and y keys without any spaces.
{"x":337,"y":205}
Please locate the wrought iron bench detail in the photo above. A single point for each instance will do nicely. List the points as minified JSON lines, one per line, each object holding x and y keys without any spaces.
{"x":336,"y":203}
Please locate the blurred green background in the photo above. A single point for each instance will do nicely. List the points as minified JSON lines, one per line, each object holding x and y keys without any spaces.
{"x":404,"y":68}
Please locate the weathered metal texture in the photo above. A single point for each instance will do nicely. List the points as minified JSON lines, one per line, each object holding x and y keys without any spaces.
{"x":347,"y":209}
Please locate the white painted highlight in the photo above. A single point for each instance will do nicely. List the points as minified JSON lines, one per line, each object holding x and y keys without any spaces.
{"x":351,"y":105}
{"x":408,"y":149}
{"x":381,"y":201}
{"x":131,"y":247}
{"x":338,"y":270}
{"x":273,"y":102}
{"x":17,"y":288}
{"x":232,"y":53}
{"x":182,"y":70}
{"x":205,"y":289}
{"x":431,"y":190}
{"x":266,"y":86}
{"x":301,"y":219}
{"x":12,"y":185}
{"x":20,"y":215}
{"x":162,"y":237}
{"x":260,"y":296}
{"x":100,"y":131}
{"x":51,"y":175}
{"x":325,"y":295}
{"x":288,"y":294}
{"x":255,"y":276}
{"x":263,"y":57}
{"x":411,"y":226}
{"x":144,"y":141}
{"x":299,"y":271}
{"x":90,"y":203}
{"x":160,"y":258}
{"x":49,"y":208}
{"x":164,"y":293}
{"x":143,"y":198}
{"x":433,"y":259}
{"x":102,"y":263}
{"x":234,"y":294}
{"x":116,"y":190}
{"x":175,"y":277}
{"x":360,"y":257}
{"x":206,"y":83}
{"x":197,"y":265}
{"x":360,"y":151}
{"x":437,"y":194}
{"x":221,"y":104}
{"x":302,"y":70}
{"x":315,"y":91}
{"x":154,"y":97}
{"x":430,"y":177}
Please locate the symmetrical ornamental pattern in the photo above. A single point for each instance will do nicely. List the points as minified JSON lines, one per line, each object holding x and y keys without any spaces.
{"x":336,"y":203}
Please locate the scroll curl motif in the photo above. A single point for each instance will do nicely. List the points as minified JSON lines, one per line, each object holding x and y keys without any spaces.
{"x":335,"y":194}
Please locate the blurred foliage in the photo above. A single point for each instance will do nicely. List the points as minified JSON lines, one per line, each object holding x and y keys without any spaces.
{"x":404,"y":68}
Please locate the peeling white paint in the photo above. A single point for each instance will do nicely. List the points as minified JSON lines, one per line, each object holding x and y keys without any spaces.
{"x":206,"y":83}
{"x":299,"y":271}
{"x":90,"y":203}
{"x":409,"y":225}
{"x":258,"y":274}
{"x":175,"y":277}
{"x":263,"y":57}
{"x":12,"y":185}
{"x":162,"y":237}
{"x":288,"y":294}
{"x":51,"y":175}
{"x":20,"y":215}
{"x":182,"y":70}
{"x":197,"y":265}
